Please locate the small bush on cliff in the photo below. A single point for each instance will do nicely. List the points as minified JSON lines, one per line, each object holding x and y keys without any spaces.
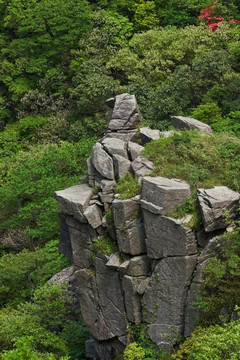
{"x":106,"y":245}
{"x":203,"y":161}
{"x":216,"y":342}
{"x":222,"y":276}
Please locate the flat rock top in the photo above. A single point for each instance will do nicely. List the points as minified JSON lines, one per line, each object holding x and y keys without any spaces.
{"x":78,"y":193}
{"x":218,"y":194}
{"x":181,"y":122}
{"x":166,"y":183}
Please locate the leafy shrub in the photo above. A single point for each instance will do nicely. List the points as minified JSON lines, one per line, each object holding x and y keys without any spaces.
{"x":207,"y":113}
{"x":220,"y":288}
{"x":37,"y":318}
{"x":203,"y":161}
{"x":230,"y":124}
{"x":20,"y":274}
{"x":24,"y":350}
{"x":134,"y":352}
{"x":216,"y":342}
{"x":29,"y":125}
{"x":27,"y":198}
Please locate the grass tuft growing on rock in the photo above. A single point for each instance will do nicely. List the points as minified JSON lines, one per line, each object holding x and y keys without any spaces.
{"x":106,"y":245}
{"x":202,"y":160}
{"x":128,"y":187}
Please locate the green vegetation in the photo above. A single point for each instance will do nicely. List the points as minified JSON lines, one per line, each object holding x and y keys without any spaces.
{"x":216,"y":342}
{"x":59,"y":62}
{"x":128,"y":186}
{"x":203,"y":161}
{"x":105,"y":245}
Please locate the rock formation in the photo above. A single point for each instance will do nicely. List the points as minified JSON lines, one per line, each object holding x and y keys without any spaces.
{"x":153,"y":276}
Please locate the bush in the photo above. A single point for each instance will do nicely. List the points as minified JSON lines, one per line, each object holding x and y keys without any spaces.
{"x":203,"y":161}
{"x":20,"y":274}
{"x":215,"y":342}
{"x":207,"y":113}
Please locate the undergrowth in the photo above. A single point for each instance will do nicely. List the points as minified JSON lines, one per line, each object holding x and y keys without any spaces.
{"x":202,"y":160}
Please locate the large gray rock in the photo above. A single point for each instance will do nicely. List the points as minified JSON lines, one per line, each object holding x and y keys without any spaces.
{"x":82,"y":236}
{"x":115,"y":147}
{"x":125,"y":113}
{"x":215,"y":205}
{"x":102,"y":162}
{"x":101,"y":300}
{"x":123,"y":210}
{"x":131,"y":240}
{"x":98,"y":350}
{"x":134,"y":150}
{"x":132,"y":299}
{"x":146,"y":134}
{"x":167,"y":237}
{"x":191,"y":312}
{"x":65,"y":246}
{"x":139,"y":266}
{"x":74,"y":200}
{"x":124,"y":135}
{"x":165,"y":193}
{"x":93,"y":216}
{"x":184,"y":123}
{"x":121,"y":166}
{"x":141,"y":166}
{"x":63,"y":276}
{"x":164,"y":299}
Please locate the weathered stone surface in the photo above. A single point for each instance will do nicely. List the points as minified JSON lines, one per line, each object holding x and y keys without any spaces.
{"x":164,"y":299}
{"x":63,"y":276}
{"x":151,"y":207}
{"x":98,"y":350}
{"x":141,"y":166}
{"x":107,"y":186}
{"x":101,"y":300}
{"x":166,"y":134}
{"x":121,"y":166}
{"x":143,"y":285}
{"x":215,"y":203}
{"x":132,"y":299}
{"x":65,"y":246}
{"x":106,"y":198}
{"x":181,"y":122}
{"x":125,"y":113}
{"x":102,"y":162}
{"x":74,"y":200}
{"x":82,"y":236}
{"x":191,"y":312}
{"x":146,"y":134}
{"x":165,"y":193}
{"x":132,"y":240}
{"x":93,"y":216}
{"x":134,"y":150}
{"x":165,"y":237}
{"x":124,"y":135}
{"x":139,"y":266}
{"x":115,"y":147}
{"x":114,"y":261}
{"x":123,"y":210}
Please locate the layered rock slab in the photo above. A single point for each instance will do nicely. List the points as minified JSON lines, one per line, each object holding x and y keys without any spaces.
{"x":218,"y":205}
{"x":185,"y":123}
{"x":164,"y":299}
{"x":125,"y":113}
{"x":164,"y":193}
{"x":74,"y":200}
{"x":101,"y":300}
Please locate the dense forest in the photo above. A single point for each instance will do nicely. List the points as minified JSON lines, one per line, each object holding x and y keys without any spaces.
{"x":59,"y":62}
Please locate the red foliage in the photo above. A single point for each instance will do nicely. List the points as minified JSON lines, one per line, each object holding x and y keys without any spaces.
{"x":214,"y":16}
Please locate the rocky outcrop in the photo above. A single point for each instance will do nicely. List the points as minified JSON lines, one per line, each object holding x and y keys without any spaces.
{"x":132,"y":261}
{"x":184,"y":123}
